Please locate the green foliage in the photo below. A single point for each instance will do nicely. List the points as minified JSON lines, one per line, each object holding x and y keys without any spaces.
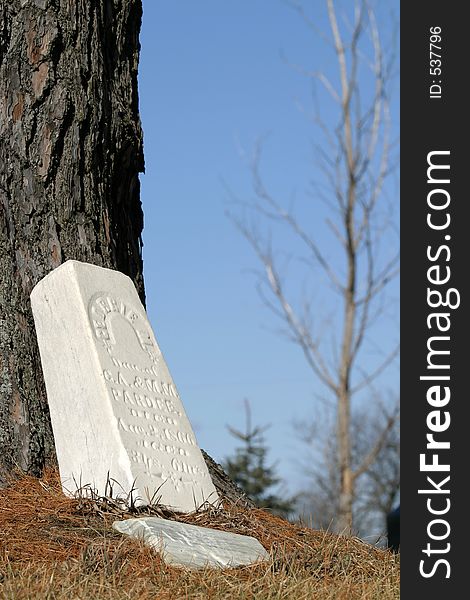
{"x":249,"y":469}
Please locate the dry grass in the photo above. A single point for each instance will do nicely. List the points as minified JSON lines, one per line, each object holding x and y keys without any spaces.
{"x":59,"y":548}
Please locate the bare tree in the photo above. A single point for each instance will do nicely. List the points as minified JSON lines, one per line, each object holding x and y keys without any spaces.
{"x":377,"y":488}
{"x":354,"y":160}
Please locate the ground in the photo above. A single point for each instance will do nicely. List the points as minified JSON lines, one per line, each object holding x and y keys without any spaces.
{"x":54,"y":547}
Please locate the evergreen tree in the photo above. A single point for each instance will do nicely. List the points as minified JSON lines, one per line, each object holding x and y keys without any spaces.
{"x":249,"y":470}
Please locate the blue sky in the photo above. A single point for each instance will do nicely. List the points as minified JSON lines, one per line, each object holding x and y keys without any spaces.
{"x":214,"y":76}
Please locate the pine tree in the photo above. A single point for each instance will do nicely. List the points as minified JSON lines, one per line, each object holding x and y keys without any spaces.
{"x":70,"y":157}
{"x":249,"y":469}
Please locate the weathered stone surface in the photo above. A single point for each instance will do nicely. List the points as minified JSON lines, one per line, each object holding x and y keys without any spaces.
{"x":192,"y":546}
{"x":115,"y":410}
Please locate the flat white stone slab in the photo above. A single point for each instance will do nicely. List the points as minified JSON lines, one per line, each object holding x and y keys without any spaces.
{"x":114,"y":407}
{"x":193,"y":546}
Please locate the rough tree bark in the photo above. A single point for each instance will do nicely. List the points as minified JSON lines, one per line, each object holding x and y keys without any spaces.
{"x":70,"y":155}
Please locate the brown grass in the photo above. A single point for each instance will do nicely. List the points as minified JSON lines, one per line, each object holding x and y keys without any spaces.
{"x":59,"y":548}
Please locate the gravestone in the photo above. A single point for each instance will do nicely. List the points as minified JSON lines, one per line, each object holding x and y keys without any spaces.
{"x":116,"y":414}
{"x":193,"y":546}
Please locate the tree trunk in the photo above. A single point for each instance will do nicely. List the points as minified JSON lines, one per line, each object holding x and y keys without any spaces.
{"x":70,"y":155}
{"x":346,"y":493}
{"x":344,"y":522}
{"x":225,"y":486}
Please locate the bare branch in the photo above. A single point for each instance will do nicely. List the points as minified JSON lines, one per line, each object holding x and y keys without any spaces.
{"x":285,"y":311}
{"x":370,"y":377}
{"x":311,"y":24}
{"x":380,"y":442}
{"x":278,"y":212}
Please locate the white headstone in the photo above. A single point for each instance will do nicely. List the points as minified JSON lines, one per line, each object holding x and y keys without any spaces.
{"x":115,"y":410}
{"x":193,"y":546}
